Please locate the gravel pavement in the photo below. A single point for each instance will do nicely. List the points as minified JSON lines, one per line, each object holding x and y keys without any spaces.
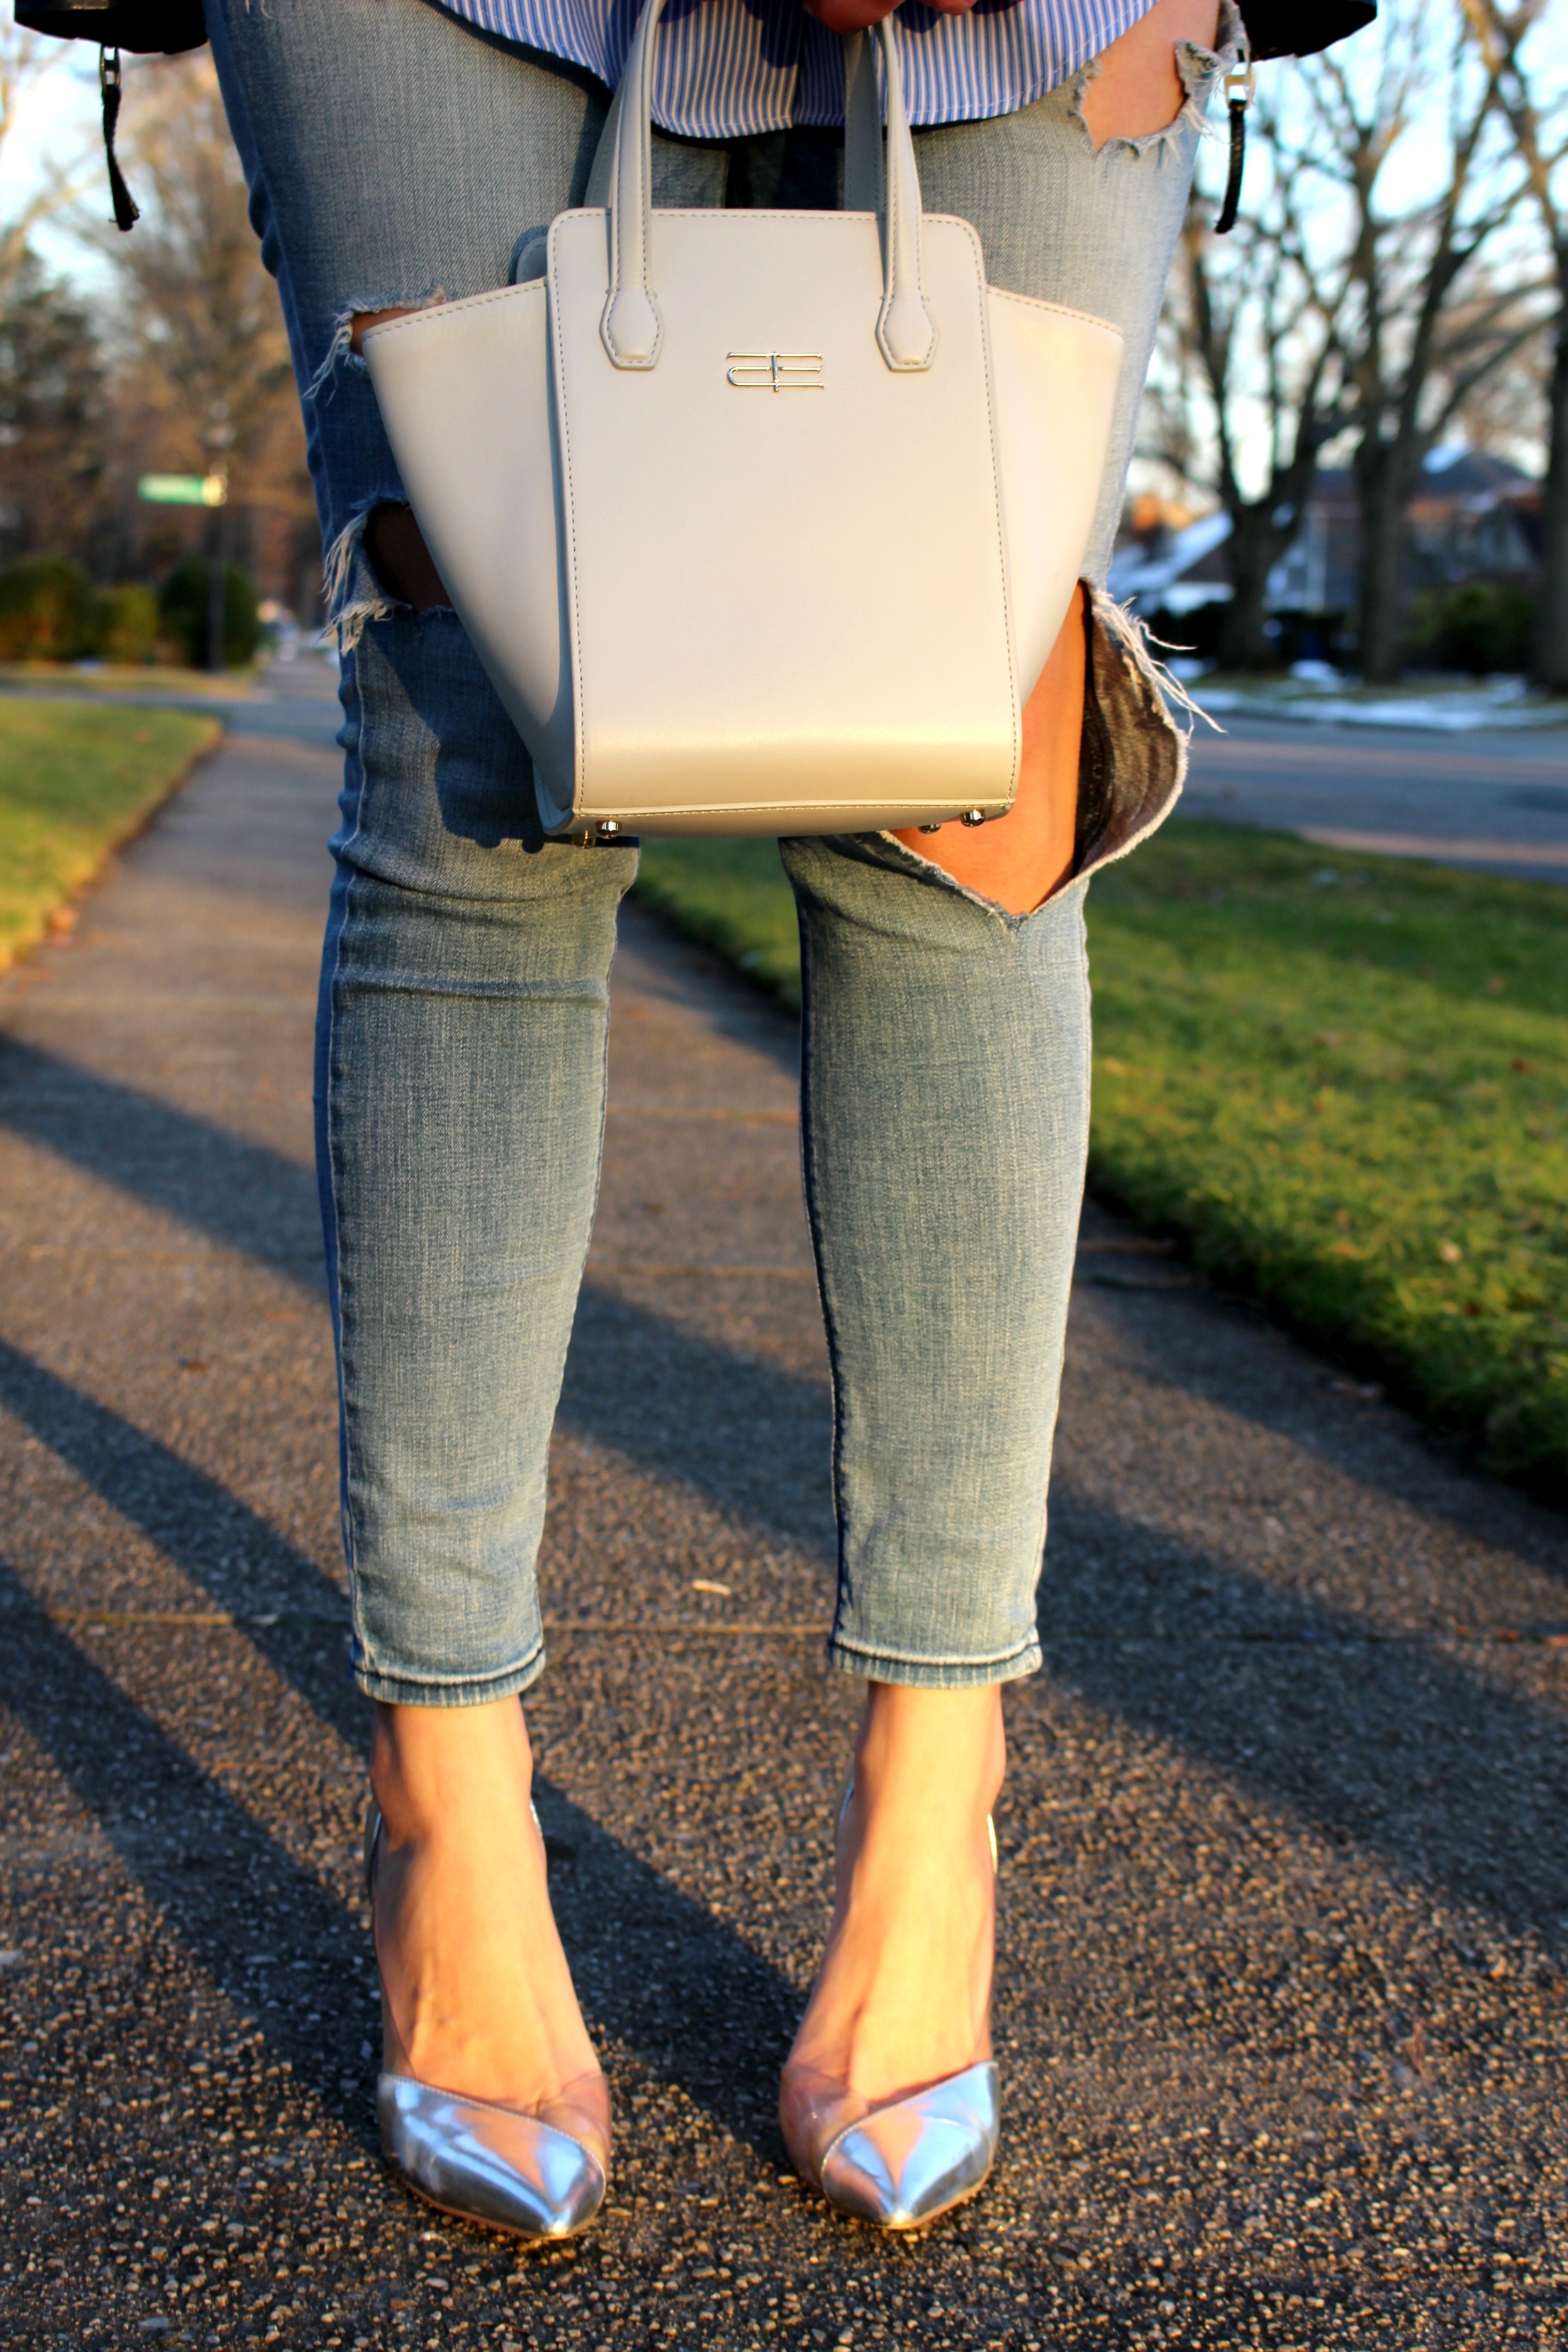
{"x":1280,"y":2008}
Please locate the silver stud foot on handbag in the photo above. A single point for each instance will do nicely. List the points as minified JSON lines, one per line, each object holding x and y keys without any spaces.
{"x":759,"y":521}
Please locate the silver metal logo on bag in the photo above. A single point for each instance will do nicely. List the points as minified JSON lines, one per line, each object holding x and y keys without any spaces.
{"x":775,"y":370}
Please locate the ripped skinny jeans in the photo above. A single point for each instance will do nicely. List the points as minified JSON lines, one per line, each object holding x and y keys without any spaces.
{"x":392,"y":152}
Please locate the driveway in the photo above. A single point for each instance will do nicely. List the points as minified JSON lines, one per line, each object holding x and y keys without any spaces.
{"x":1495,"y":801}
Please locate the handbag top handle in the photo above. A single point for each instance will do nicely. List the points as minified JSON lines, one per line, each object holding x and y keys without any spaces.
{"x":632,"y":329}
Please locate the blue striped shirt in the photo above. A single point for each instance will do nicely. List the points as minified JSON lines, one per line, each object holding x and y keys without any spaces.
{"x":727,"y":67}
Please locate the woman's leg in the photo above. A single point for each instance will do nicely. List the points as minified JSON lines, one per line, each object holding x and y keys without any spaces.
{"x":391,"y":155}
{"x":944,"y":1127}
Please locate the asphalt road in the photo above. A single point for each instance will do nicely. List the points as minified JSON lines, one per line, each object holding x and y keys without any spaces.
{"x":1496,"y":800}
{"x":1281,"y":2004}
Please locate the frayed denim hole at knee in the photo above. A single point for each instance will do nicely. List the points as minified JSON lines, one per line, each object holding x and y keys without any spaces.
{"x":355,"y":593}
{"x":340,"y":357}
{"x":885,"y":849}
{"x":896,"y":856}
{"x":1146,"y":751}
{"x":1137,"y":752}
{"x":1196,"y":68}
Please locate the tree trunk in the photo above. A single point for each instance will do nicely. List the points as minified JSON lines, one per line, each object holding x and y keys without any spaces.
{"x":1252,"y":551}
{"x":1552,"y":615}
{"x":1379,"y":619}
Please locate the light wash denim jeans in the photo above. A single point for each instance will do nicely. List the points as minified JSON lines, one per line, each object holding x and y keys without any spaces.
{"x":392,"y":152}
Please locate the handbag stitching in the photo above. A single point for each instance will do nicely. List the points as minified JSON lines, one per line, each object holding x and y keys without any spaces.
{"x":1055,"y":309}
{"x":982,"y":297}
{"x":436,"y":311}
{"x":580,"y":715}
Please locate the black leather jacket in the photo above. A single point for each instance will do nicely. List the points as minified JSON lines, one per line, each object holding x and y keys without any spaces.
{"x":1275,"y":28}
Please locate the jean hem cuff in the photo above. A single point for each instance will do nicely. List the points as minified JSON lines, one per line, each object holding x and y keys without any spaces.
{"x":934,"y":1673}
{"x":451,"y":1690}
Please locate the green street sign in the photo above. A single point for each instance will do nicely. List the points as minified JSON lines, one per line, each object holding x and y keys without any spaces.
{"x":184,"y":489}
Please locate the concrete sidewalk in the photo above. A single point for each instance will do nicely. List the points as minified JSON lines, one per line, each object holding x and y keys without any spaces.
{"x":1284,"y":1888}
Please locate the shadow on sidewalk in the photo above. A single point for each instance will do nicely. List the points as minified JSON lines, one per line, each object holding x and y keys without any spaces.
{"x":1452,"y":1779}
{"x":241,"y":1194}
{"x":1405,"y":1751}
{"x":1375,"y":1740}
{"x":692,"y":1411}
{"x":1188,"y":1344}
{"x":675,"y":1989}
{"x":247,"y":1197}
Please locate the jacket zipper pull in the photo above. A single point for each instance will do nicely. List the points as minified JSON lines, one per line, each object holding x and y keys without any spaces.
{"x":126,"y":214}
{"x":1239,"y":86}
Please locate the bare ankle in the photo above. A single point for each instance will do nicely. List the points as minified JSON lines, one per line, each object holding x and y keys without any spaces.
{"x":951,"y":1743}
{"x":431,"y":1766}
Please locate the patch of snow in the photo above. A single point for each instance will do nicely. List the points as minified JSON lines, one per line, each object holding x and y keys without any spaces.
{"x":1435,"y":714}
{"x":1151,"y":577}
{"x":1438,"y":461}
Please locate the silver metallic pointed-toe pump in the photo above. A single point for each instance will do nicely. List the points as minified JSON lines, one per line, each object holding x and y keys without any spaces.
{"x":514,"y":2169}
{"x":902,"y":2162}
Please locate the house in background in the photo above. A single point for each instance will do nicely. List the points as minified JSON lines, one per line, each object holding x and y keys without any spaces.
{"x":1170,"y":561}
{"x":1474,"y":518}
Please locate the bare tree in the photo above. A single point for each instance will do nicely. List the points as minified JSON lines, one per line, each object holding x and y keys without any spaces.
{"x":24,"y":61}
{"x":1504,"y":414}
{"x":51,"y":365}
{"x":205,"y":367}
{"x":1536,"y":120}
{"x":1255,"y":323}
{"x":1419,"y":342}
{"x":53,"y":416}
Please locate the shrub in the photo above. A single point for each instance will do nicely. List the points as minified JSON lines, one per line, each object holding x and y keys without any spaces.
{"x":183,"y":604}
{"x":48,"y":611}
{"x":1300,"y":634}
{"x":1479,"y":625}
{"x":130,"y":624}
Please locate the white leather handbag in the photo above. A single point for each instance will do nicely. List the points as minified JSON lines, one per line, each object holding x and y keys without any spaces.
{"x":759,"y":521}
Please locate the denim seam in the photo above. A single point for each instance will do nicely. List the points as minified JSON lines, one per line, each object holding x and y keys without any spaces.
{"x":519,"y":1676}
{"x":350,"y":1528}
{"x":829,"y":1318}
{"x":837,"y":1645}
{"x":1086,"y":1074}
{"x":351,"y":1532}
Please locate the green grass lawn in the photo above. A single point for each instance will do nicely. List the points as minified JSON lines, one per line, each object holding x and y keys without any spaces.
{"x":1341,"y":1081}
{"x":732,"y":896}
{"x":74,"y":783}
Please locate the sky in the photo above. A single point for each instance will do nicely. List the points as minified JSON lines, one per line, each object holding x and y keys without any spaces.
{"x":59,"y":125}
